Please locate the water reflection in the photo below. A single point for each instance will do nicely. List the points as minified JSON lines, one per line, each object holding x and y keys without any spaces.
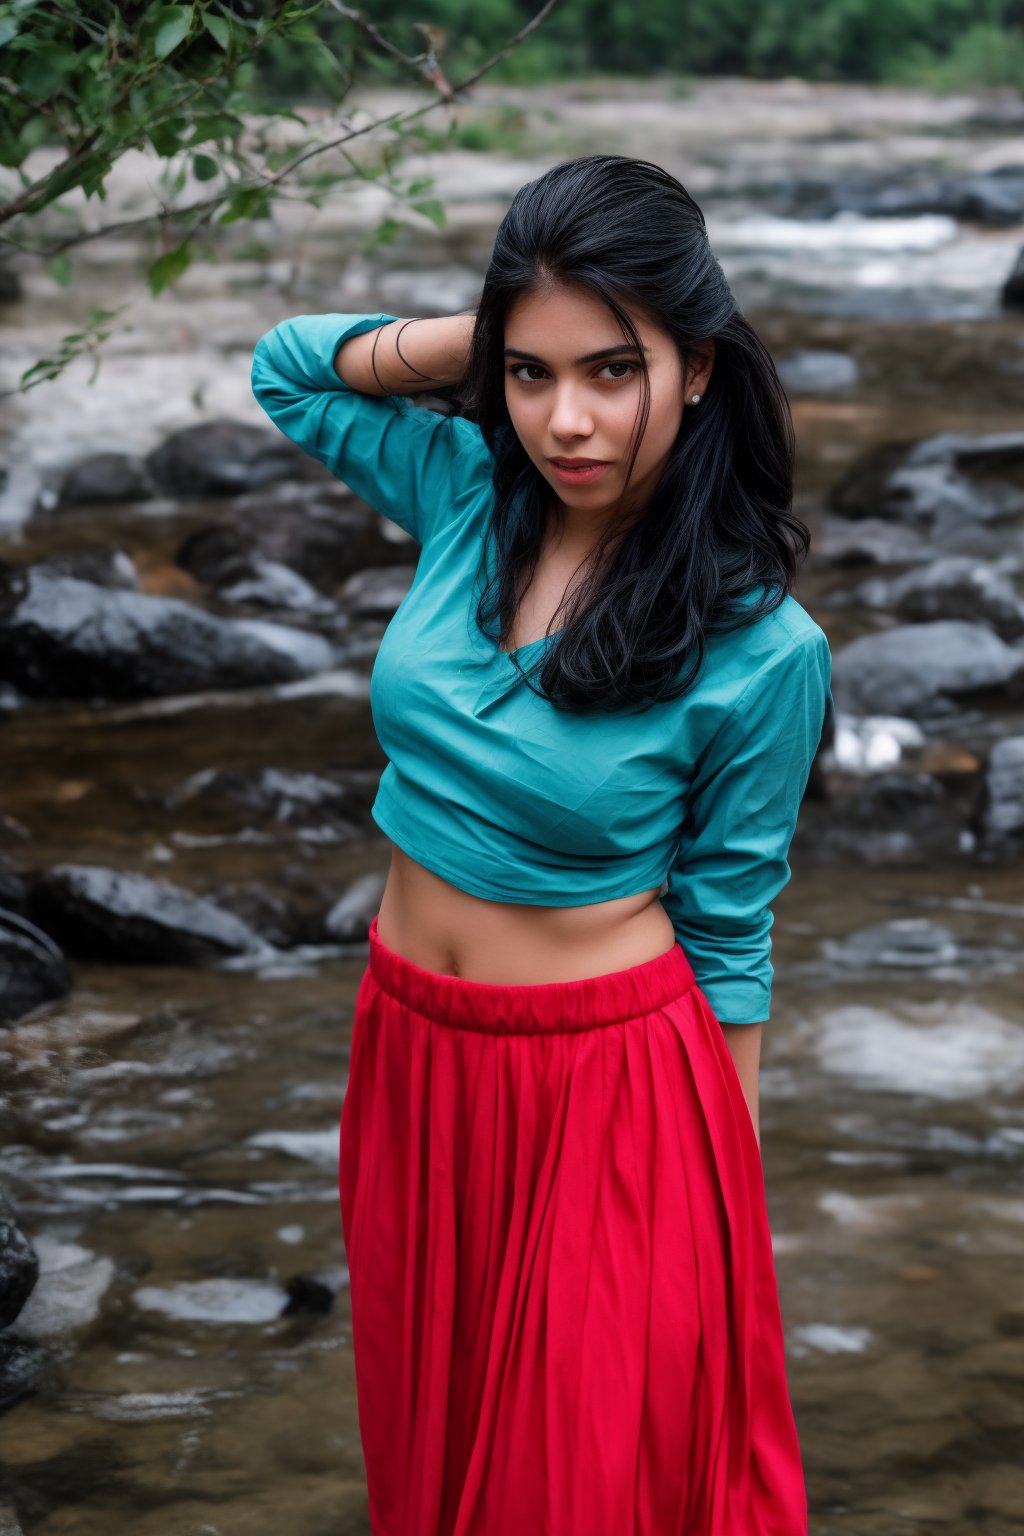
{"x":171,"y":1130}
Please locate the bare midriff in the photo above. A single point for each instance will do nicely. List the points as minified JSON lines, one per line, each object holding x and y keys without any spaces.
{"x":444,"y":929}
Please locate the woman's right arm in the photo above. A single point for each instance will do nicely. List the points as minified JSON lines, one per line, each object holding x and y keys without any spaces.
{"x":406,"y":461}
{"x":405,"y":357}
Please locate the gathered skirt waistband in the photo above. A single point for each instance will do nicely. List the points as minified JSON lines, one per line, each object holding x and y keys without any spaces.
{"x":549,"y":1007}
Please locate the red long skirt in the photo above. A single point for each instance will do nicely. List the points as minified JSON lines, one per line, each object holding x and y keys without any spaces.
{"x":565,"y":1313}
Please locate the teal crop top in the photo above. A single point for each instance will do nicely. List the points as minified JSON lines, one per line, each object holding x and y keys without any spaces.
{"x":507,"y":797}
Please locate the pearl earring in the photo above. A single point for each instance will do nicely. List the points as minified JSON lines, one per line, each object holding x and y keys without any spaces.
{"x":695,"y":398}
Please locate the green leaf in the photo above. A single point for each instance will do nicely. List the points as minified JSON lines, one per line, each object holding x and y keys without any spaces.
{"x":166,"y":138}
{"x":245,"y":203}
{"x":174,"y":25}
{"x":87,"y":173}
{"x":168,"y":267}
{"x":60,"y":268}
{"x":433,"y":209}
{"x":204,"y":167}
{"x":45,"y":70}
{"x":8,"y":29}
{"x":385,"y":232}
{"x":215,"y":125}
{"x":78,"y":344}
{"x":35,"y":131}
{"x":219,"y":29}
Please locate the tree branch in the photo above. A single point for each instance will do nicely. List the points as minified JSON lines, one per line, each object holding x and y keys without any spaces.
{"x":208,"y":205}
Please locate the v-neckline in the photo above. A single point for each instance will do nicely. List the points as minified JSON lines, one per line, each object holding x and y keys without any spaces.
{"x":529,"y":646}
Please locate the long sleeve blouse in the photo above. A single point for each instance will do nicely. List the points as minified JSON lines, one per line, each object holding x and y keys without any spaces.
{"x":491,"y":786}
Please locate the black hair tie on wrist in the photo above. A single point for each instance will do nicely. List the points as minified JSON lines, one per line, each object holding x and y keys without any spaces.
{"x":373,"y":359}
{"x":428,"y":377}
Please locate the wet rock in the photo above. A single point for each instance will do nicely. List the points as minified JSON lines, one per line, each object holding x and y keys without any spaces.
{"x":103,"y":567}
{"x":893,"y":818}
{"x":32,"y":968}
{"x":870,"y":541}
{"x":317,"y":1147}
{"x":104,"y":478}
{"x":269,"y":584}
{"x":72,"y":1284}
{"x":954,"y":484}
{"x":1012,"y":292}
{"x":830,"y":1339}
{"x":106,"y":914}
{"x":23,"y":1367}
{"x":19,"y":1266}
{"x":13,"y":833}
{"x":321,"y":532}
{"x":221,"y":458}
{"x":65,"y":638}
{"x":309,"y":1295}
{"x":952,"y":587}
{"x":873,"y":743}
{"x":819,"y":372}
{"x":279,"y":795}
{"x":1003,"y":806}
{"x":265,"y":910}
{"x":906,"y":943}
{"x":970,"y":1053}
{"x":926,"y":670}
{"x":994,"y":198}
{"x":349,"y":919}
{"x":376,"y":593}
{"x":221,"y":1300}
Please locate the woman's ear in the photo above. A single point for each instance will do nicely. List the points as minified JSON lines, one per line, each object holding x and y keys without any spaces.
{"x":700,"y":369}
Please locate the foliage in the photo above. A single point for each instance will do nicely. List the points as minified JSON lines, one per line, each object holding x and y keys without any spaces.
{"x":951,"y":43}
{"x":198,"y":85}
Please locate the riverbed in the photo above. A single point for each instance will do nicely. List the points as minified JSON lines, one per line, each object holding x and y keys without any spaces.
{"x":171,"y":1119}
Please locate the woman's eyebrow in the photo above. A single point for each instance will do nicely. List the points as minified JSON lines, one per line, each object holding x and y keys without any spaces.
{"x":591,"y":357}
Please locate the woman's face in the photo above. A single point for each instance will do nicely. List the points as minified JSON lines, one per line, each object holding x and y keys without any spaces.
{"x":565,"y":403}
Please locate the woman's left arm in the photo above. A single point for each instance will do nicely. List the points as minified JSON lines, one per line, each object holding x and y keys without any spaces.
{"x":744,"y":1041}
{"x":732,"y":857}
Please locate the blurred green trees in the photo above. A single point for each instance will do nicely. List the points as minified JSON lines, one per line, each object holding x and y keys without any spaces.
{"x":938,"y":43}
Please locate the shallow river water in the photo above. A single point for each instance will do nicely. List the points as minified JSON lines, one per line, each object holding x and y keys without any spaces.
{"x":170,"y":1131}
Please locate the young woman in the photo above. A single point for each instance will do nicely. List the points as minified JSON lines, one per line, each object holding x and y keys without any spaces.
{"x":600,"y":703}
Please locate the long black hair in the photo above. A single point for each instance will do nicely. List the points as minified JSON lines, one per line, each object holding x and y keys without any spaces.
{"x":719,"y":523}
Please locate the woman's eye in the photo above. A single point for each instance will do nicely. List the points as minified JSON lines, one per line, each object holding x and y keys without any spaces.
{"x":516,"y":372}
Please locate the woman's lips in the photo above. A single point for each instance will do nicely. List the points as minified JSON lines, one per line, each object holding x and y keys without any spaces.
{"x":581,"y":476}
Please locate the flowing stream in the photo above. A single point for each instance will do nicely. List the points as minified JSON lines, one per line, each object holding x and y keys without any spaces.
{"x":170,"y":1120}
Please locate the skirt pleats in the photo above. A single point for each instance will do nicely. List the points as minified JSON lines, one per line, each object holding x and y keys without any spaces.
{"x":565,"y":1311}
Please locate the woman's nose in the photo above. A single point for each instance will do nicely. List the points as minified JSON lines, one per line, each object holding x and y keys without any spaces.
{"x":570,"y":416}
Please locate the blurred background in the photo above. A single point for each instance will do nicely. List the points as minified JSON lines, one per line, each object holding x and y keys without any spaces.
{"x":189,"y":612}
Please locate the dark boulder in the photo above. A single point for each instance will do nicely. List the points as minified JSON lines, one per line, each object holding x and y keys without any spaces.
{"x":106,"y":914}
{"x":222,"y":458}
{"x":105,"y":478}
{"x":32,"y":968}
{"x":65,"y":638}
{"x":926,"y":670}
